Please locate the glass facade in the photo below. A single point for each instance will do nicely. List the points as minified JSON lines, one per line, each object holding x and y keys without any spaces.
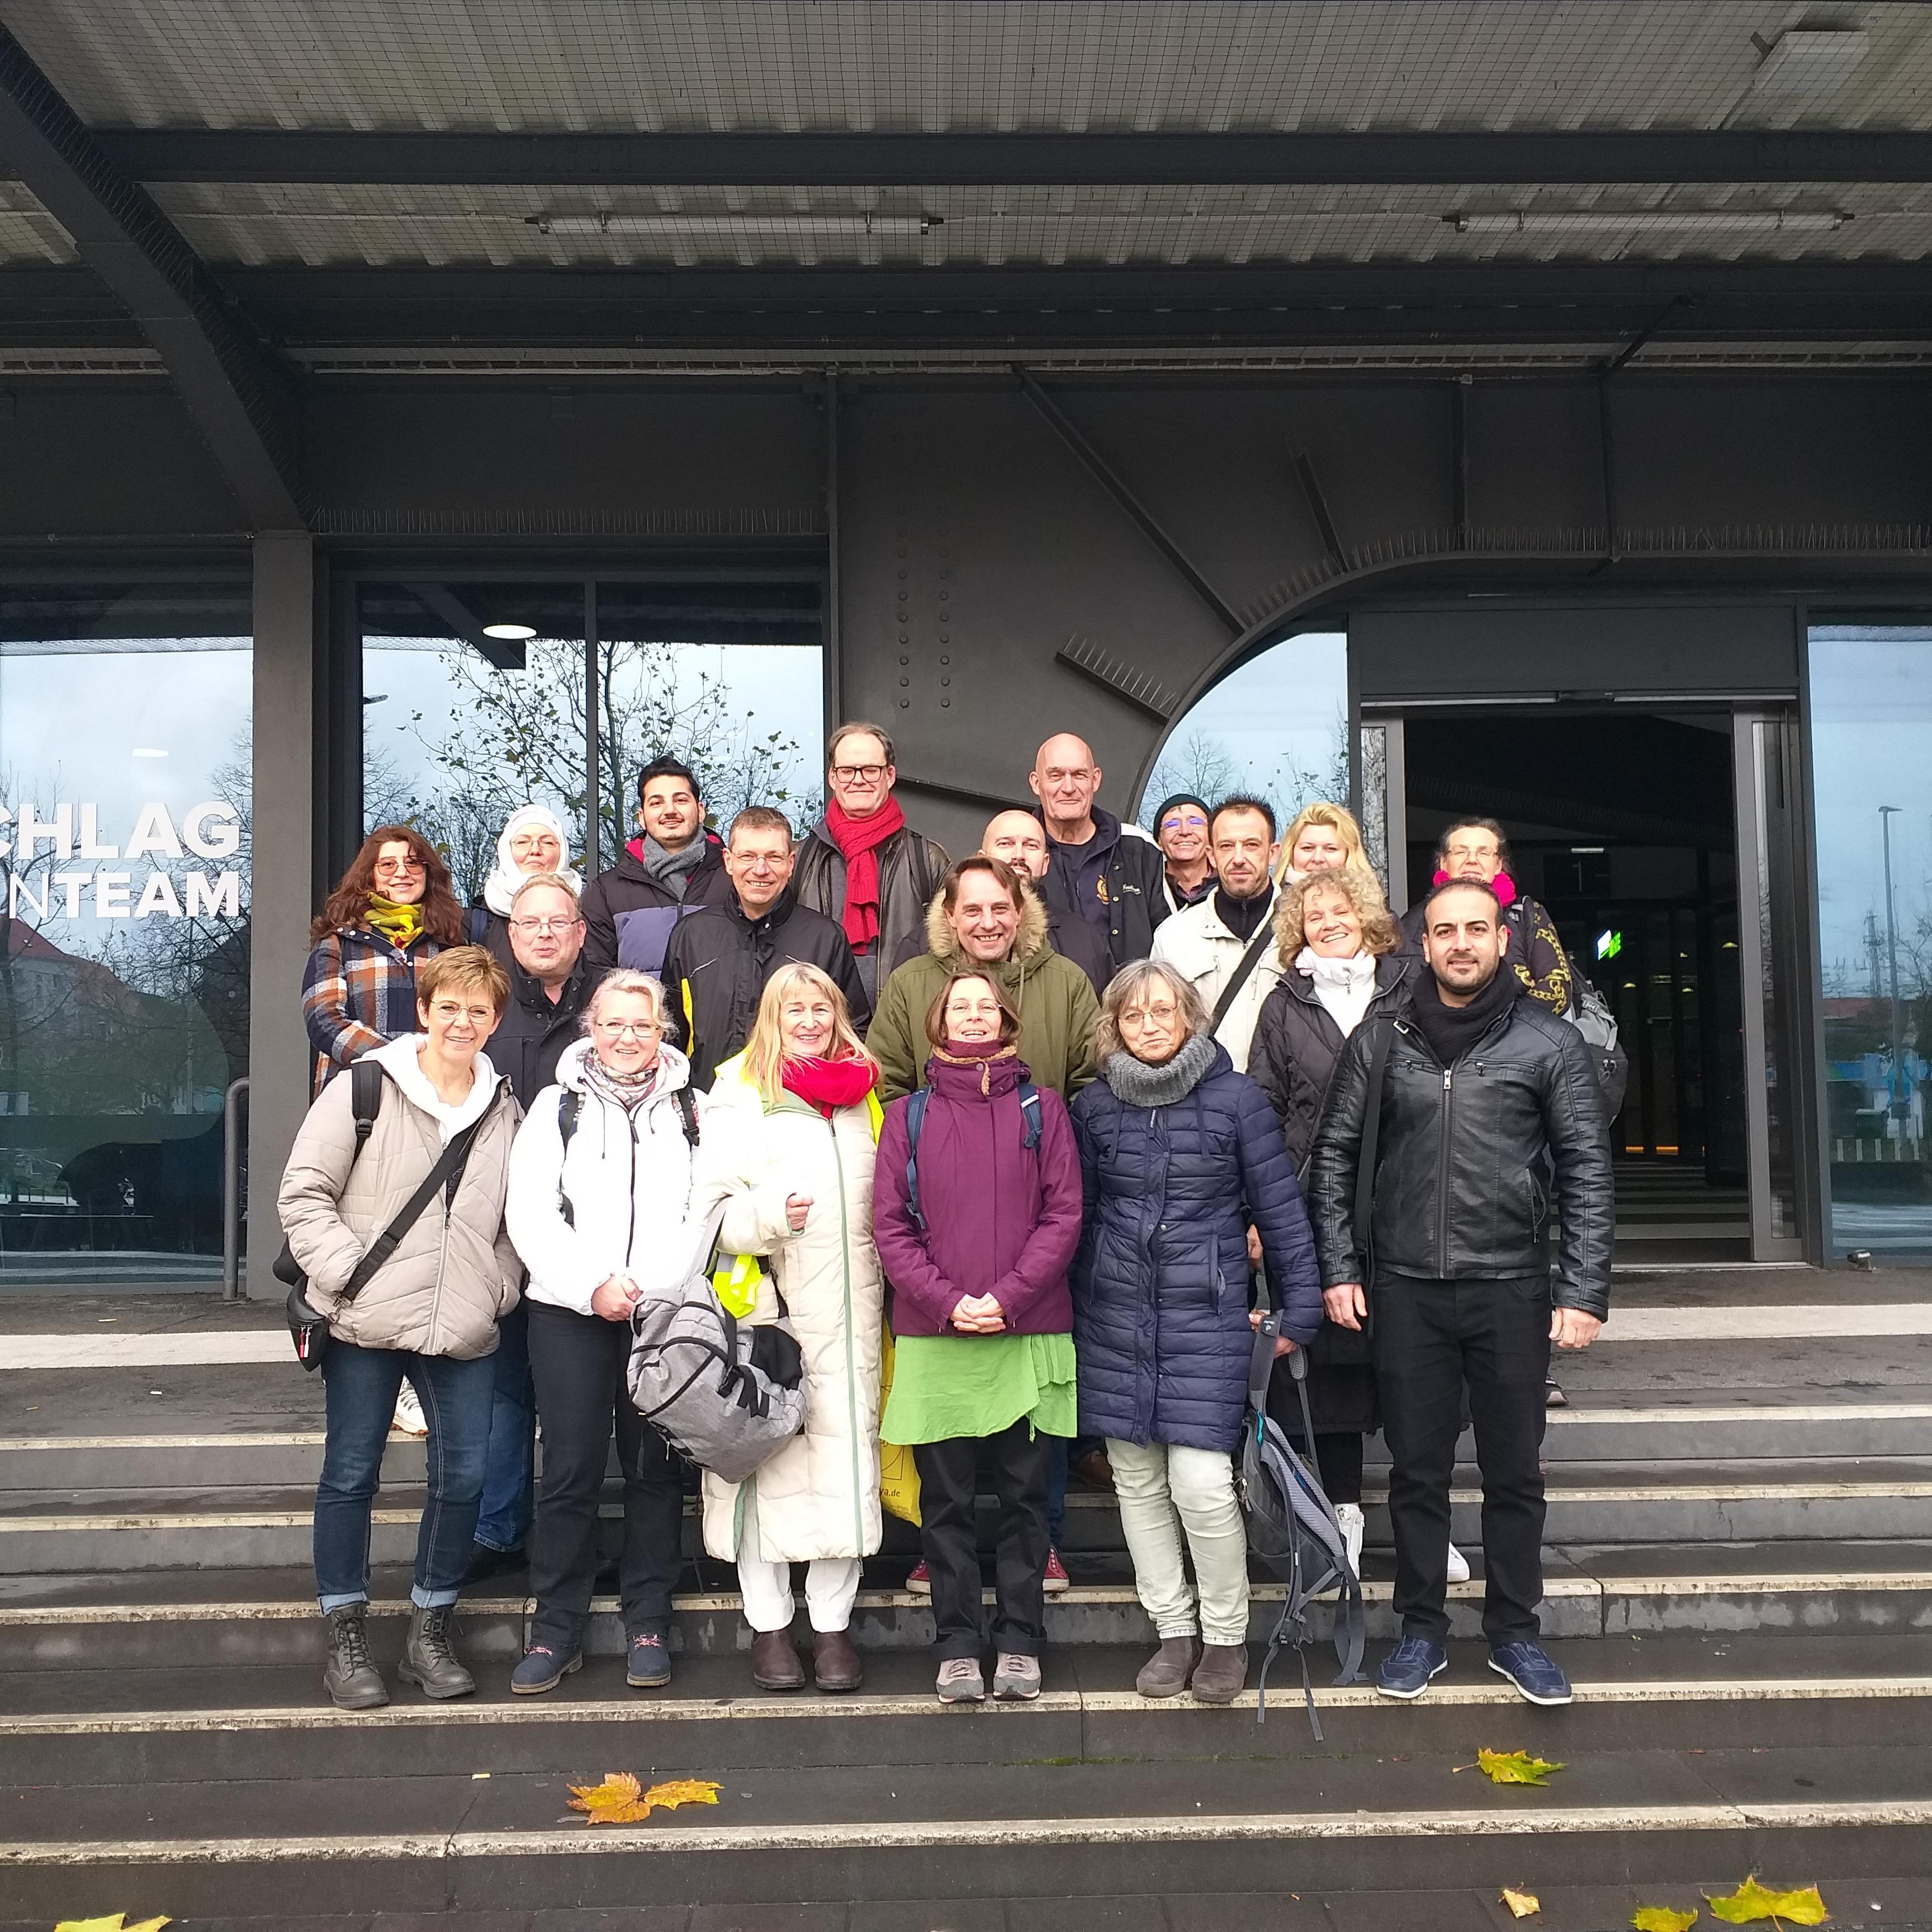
{"x":1871,"y":722}
{"x":125,"y":716}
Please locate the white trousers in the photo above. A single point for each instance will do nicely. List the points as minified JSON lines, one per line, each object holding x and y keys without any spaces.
{"x":1163,"y":1490}
{"x":831,"y":1583}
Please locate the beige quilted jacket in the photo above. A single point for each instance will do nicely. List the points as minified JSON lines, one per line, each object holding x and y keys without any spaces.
{"x":455,"y":1274}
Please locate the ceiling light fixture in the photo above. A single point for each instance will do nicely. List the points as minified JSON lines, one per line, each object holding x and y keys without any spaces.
{"x":1599,"y":221}
{"x":776,"y":221}
{"x":515,"y":633}
{"x":1809,"y":62}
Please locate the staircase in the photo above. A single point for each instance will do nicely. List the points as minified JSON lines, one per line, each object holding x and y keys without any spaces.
{"x":1739,"y":1581}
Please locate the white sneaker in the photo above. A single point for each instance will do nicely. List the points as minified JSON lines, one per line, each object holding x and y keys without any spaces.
{"x":1349,"y":1516}
{"x":409,"y":1417}
{"x":1458,"y":1566}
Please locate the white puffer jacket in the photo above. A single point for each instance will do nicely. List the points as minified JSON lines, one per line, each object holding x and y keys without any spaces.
{"x":627,"y":1176}
{"x":1197,"y":943}
{"x":454,"y":1276}
{"x":819,"y":1495}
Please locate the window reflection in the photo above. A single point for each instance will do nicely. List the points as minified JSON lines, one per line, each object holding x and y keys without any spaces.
{"x":124,"y":751}
{"x":1871,"y":711}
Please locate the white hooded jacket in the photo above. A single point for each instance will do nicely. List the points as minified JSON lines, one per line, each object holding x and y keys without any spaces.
{"x":627,"y":1175}
{"x":1196,"y":942}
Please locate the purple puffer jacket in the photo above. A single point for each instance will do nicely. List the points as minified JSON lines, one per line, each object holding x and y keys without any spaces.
{"x":999,"y":1220}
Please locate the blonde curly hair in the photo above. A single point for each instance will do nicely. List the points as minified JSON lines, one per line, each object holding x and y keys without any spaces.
{"x":1361,"y":888}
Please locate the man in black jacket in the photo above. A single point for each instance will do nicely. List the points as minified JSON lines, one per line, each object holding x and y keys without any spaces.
{"x":719,"y":958}
{"x":1112,"y":875}
{"x":1469,"y":1093}
{"x":667,"y":872}
{"x":550,"y":983}
{"x":862,"y":864}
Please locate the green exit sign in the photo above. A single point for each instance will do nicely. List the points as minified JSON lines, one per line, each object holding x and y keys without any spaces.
{"x":1609,"y":943}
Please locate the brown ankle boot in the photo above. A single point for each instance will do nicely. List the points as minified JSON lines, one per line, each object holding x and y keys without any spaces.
{"x":775,"y":1664}
{"x":835,"y":1663}
{"x":1218,"y":1676}
{"x":1165,"y":1674}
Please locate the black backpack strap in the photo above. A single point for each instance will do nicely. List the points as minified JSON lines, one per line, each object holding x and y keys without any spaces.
{"x":1250,"y":960}
{"x":687,"y":1113}
{"x":569,"y":1112}
{"x":365,"y":1096}
{"x":1029,"y":1114}
{"x":1372,"y":1134}
{"x":476,"y":925}
{"x":447,"y":1172}
{"x":916,"y":1105}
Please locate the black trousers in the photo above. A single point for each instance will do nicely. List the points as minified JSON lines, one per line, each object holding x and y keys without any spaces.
{"x":949,"y":1484}
{"x":578,"y":1363}
{"x":1432,"y":1339}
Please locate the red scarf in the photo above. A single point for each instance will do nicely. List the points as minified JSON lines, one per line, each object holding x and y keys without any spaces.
{"x":1502,"y":885}
{"x":829,"y":1084}
{"x":859,"y":840}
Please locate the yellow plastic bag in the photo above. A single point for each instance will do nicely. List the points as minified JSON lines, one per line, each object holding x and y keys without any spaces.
{"x":898,"y":1475}
{"x":735,"y":1279}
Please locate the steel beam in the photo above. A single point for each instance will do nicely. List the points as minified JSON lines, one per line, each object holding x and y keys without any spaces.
{"x":242,"y":406}
{"x":894,"y":159}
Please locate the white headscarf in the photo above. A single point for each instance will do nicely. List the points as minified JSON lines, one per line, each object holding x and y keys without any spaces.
{"x":500,"y":887}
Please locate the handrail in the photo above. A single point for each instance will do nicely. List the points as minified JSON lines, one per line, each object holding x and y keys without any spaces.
{"x":231,"y":1190}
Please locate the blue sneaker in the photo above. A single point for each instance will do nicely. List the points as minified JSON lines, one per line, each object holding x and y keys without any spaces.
{"x":1406,"y":1670}
{"x":541,"y":1669}
{"x":1527,"y":1666}
{"x":650,"y":1664}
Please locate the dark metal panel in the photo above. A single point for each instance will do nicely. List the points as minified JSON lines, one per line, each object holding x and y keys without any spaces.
{"x":894,"y":159}
{"x":239,"y":404}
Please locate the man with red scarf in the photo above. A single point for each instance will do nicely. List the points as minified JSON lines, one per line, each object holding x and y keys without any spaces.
{"x":862,"y":864}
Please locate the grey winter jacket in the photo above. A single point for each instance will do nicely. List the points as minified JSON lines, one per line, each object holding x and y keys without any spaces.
{"x":454,"y":1275}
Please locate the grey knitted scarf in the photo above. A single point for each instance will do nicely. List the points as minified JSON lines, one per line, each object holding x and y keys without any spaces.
{"x":1141,"y":1085}
{"x":673,"y":870}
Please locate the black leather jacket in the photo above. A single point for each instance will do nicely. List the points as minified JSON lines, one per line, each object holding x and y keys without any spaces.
{"x":1458,"y":1192}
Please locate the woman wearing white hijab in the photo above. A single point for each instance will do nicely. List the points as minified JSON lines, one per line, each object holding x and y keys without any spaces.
{"x":532,"y":840}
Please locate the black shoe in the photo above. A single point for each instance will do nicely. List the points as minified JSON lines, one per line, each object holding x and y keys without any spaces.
{"x":486,"y":1561}
{"x":350,"y":1677}
{"x":1553,"y":1396}
{"x":430,"y":1659}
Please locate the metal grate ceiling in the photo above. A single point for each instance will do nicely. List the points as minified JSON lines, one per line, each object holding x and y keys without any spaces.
{"x":789,"y":65}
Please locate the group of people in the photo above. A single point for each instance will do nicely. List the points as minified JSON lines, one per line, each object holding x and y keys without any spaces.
{"x":1020,"y":1148}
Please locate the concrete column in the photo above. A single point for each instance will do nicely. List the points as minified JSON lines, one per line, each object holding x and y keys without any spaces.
{"x":282,"y":890}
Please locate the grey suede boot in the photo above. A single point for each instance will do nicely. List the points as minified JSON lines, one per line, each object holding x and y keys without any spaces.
{"x":350,"y":1678}
{"x":430,"y":1659}
{"x":1218,"y":1676}
{"x":1165,"y":1674}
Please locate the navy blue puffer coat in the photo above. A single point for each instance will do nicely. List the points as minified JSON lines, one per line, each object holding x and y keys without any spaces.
{"x":1160,"y":1283}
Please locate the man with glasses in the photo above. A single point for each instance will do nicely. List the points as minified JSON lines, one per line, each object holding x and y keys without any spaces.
{"x":671,"y":867}
{"x":719,"y":958}
{"x":1111,"y":874}
{"x":1180,"y":831}
{"x":550,"y":983}
{"x":862,"y":864}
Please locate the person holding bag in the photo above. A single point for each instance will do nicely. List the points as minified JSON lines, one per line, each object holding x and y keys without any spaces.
{"x":426,"y":1313}
{"x":977,"y":1213}
{"x":599,"y":1206}
{"x":788,"y":1147}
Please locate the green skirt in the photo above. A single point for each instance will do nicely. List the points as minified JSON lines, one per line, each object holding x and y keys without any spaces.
{"x":945,"y":1386}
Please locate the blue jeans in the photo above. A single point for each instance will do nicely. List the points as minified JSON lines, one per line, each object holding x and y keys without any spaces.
{"x":362,"y":1385}
{"x":503,"y":1521}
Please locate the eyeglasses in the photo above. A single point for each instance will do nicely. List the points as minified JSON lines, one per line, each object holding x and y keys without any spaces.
{"x":763,"y":862}
{"x":395,"y":867}
{"x":1183,"y":821}
{"x":630,"y":1029}
{"x":858,"y":774}
{"x":1473,"y":852}
{"x":1160,"y":1015}
{"x":561,"y":924}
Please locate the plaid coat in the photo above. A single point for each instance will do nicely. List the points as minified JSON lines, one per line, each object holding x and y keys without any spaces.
{"x":359,"y":989}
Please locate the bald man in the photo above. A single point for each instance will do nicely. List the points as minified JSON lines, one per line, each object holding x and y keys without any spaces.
{"x":1018,"y":838}
{"x":1110,"y":874}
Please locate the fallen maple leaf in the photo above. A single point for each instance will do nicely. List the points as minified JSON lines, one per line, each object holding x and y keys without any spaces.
{"x":1662,"y":1918}
{"x":1752,"y":1902}
{"x":1522,"y":1904}
{"x":621,"y":1800}
{"x":1514,"y":1767}
{"x":115,"y":1924}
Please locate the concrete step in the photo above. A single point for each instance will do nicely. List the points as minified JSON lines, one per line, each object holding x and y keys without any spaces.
{"x":159,"y":1619}
{"x":460,"y":1844}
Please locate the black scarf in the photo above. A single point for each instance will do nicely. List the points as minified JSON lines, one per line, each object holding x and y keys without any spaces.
{"x":1451,"y":1031}
{"x":1243,"y":917}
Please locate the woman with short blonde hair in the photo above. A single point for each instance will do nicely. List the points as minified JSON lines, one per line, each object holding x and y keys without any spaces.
{"x":1322,"y":837}
{"x":789,"y":1146}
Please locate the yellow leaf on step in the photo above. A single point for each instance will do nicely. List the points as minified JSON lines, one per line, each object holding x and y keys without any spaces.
{"x":1752,"y":1902}
{"x":1662,"y":1918}
{"x":1522,"y":1904}
{"x":622,"y":1800}
{"x":115,"y":1922}
{"x":1514,"y":1767}
{"x":681,"y":1791}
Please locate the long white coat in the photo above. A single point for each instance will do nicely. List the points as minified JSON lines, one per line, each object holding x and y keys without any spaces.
{"x":1198,"y":945}
{"x":627,"y":1176}
{"x":819,"y":1495}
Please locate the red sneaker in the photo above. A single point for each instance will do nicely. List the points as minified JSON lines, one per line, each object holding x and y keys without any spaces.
{"x":920,"y":1582}
{"x":1056,"y":1577}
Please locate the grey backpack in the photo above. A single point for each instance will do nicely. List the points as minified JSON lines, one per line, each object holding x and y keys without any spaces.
{"x":723,"y":1394}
